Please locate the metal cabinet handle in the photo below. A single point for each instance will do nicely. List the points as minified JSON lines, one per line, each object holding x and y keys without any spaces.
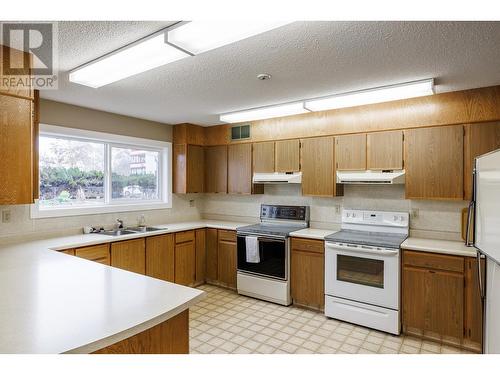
{"x":468,"y":241}
{"x":479,"y":275}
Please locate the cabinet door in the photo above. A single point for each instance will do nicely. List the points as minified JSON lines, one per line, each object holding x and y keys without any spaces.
{"x":288,"y":156}
{"x":473,"y":305}
{"x":17,"y":60}
{"x":318,"y":172}
{"x":263,"y":157}
{"x":201,"y":255}
{"x":185,"y":263}
{"x":212,"y":254}
{"x":434,"y":163}
{"x":96,"y":253}
{"x":433,"y":301}
{"x":227,"y":263}
{"x":16,"y":150}
{"x":479,"y":139}
{"x":195,"y":169}
{"x":350,"y":152}
{"x":68,"y":251}
{"x":384,"y":150}
{"x":216,"y":169}
{"x":129,"y":255}
{"x":239,"y":169}
{"x":307,"y":273}
{"x":160,"y":258}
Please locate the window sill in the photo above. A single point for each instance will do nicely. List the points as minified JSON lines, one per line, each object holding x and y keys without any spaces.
{"x":37,"y":213}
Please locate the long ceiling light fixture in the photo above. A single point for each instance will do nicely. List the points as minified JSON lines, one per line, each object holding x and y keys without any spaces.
{"x":372,"y":96}
{"x":181,"y":40}
{"x":265,"y":112}
{"x":351,"y":99}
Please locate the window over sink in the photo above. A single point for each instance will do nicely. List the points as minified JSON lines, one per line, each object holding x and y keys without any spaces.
{"x":85,"y":172}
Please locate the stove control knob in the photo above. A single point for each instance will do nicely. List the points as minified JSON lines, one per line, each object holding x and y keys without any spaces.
{"x":395,"y":218}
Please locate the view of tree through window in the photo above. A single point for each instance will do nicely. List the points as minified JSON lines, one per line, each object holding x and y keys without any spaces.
{"x":71,"y":172}
{"x":134,"y":174}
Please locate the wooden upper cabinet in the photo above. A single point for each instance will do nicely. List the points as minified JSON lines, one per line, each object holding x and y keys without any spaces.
{"x":239,"y":168}
{"x":216,"y":169}
{"x":20,"y":61}
{"x":479,"y":139}
{"x":350,"y":152}
{"x":263,"y":157}
{"x":189,"y":169}
{"x":434,"y":163}
{"x":129,"y":255}
{"x":16,"y":150}
{"x":384,"y":150}
{"x":160,"y":257}
{"x":318,"y":167}
{"x":96,"y":253}
{"x":288,"y":155}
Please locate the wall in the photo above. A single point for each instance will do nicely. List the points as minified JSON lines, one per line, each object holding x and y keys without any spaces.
{"x":433,"y":219}
{"x":54,"y":113}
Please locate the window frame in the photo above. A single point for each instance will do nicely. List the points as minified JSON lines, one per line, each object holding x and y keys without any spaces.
{"x":110,"y":141}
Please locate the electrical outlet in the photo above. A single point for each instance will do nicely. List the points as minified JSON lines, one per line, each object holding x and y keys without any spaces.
{"x":191,"y":203}
{"x":6,"y":216}
{"x":414,"y":213}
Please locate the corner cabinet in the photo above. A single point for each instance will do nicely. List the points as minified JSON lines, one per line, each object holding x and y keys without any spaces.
{"x":440,"y":299}
{"x":434,"y":162}
{"x":318,"y":167}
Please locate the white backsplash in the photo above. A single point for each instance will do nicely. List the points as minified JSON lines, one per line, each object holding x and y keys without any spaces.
{"x":434,"y":219}
{"x":22,"y":225}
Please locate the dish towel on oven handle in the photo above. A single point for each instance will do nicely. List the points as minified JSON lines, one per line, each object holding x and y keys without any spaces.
{"x":252,"y":249}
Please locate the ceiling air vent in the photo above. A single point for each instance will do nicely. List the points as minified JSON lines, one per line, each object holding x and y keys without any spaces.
{"x":240,"y":132}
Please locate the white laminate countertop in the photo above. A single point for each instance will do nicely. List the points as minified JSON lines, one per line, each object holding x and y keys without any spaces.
{"x":312,"y":233}
{"x":438,"y":246}
{"x":54,"y":303}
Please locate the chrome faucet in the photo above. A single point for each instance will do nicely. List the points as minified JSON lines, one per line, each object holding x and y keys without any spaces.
{"x":119,"y":224}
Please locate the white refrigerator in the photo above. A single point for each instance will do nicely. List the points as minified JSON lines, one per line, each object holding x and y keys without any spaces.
{"x":485,"y":209}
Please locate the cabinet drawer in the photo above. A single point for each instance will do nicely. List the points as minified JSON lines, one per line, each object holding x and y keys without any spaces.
{"x":313,"y":246}
{"x":98,"y":253}
{"x":227,"y":235}
{"x":184,"y":236}
{"x":434,"y":261}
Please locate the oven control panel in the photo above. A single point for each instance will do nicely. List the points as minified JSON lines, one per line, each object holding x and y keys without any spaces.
{"x":381,"y":218}
{"x":284,"y":212}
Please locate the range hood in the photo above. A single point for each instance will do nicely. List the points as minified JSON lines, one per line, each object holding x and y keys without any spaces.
{"x":277,"y":178}
{"x":371,"y":177}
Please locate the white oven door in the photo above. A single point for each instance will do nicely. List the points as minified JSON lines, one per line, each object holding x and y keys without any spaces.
{"x":363,"y":274}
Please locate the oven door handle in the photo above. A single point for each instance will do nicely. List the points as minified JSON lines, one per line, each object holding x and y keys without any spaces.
{"x":356,"y":249}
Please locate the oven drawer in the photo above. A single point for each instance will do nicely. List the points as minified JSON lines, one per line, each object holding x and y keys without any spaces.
{"x":312,"y":246}
{"x":434,"y":261}
{"x":376,"y":317}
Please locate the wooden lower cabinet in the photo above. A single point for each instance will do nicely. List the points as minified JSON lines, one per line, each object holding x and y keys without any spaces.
{"x":212,"y":255}
{"x":201,"y":255}
{"x":185,"y":258}
{"x":67,"y":251}
{"x":307,"y":274}
{"x":169,"y":337}
{"x":440,"y":299}
{"x":129,"y":255}
{"x":160,"y":257}
{"x":96,"y":253}
{"x":227,"y":258}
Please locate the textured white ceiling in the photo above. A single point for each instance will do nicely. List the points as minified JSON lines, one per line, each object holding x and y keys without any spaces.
{"x":305,"y":59}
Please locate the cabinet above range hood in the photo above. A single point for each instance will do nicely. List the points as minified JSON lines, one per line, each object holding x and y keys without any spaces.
{"x":371,"y":177}
{"x":277,"y":178}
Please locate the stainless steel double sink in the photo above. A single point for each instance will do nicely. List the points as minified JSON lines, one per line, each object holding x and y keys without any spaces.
{"x":130,"y":230}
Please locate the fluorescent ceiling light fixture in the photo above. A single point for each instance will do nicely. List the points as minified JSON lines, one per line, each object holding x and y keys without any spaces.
{"x":264,"y":113}
{"x":200,"y":36}
{"x":141,"y":56}
{"x":375,"y":95}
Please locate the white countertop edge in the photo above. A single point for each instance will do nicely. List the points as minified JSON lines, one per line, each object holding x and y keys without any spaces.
{"x":438,"y":246}
{"x":123,"y":335}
